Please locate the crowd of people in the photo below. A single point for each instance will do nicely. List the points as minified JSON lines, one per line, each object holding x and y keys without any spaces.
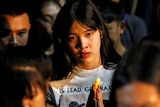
{"x":79,"y":53}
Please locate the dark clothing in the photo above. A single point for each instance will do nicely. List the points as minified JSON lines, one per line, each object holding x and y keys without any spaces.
{"x":135,"y":30}
{"x":144,"y":9}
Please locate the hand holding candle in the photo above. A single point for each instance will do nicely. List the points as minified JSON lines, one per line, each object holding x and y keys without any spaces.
{"x":97,"y":82}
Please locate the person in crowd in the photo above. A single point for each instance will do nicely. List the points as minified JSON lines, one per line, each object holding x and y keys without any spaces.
{"x":136,"y":84}
{"x":14,"y":23}
{"x":83,"y":52}
{"x":113,"y":15}
{"x":24,"y":77}
{"x":141,"y":8}
{"x":43,"y":14}
{"x":135,"y":27}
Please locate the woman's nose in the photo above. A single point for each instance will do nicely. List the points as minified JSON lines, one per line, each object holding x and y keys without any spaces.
{"x":82,"y":43}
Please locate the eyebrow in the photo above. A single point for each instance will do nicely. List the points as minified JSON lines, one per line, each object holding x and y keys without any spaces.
{"x":22,"y":30}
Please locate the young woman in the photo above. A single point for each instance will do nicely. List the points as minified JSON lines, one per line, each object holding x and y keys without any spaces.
{"x":83,"y":52}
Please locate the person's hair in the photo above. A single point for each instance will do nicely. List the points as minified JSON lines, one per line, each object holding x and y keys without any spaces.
{"x":27,"y":56}
{"x":23,"y":68}
{"x":111,"y":11}
{"x":17,"y":83}
{"x":86,"y":13}
{"x":13,"y":7}
{"x":142,"y":65}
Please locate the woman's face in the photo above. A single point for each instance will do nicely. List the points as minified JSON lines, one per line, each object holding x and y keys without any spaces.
{"x":138,"y":94}
{"x":84,"y":44}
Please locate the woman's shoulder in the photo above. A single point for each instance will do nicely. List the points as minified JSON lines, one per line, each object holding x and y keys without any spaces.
{"x":58,"y":84}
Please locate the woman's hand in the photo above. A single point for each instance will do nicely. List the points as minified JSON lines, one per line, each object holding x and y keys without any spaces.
{"x":98,"y":95}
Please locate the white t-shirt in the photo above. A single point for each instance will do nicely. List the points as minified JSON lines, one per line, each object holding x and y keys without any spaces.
{"x":74,"y":91}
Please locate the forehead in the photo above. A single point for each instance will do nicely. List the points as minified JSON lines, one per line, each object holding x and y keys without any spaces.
{"x":50,"y":8}
{"x":17,"y":21}
{"x":137,"y":93}
{"x":77,"y":26}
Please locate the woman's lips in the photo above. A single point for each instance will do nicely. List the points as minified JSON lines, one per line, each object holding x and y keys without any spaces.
{"x":85,"y":55}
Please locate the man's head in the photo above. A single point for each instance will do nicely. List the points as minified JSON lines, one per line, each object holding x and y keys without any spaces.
{"x":14,"y":23}
{"x":113,"y":14}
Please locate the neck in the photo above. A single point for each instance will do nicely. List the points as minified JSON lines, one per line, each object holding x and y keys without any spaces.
{"x":90,"y":65}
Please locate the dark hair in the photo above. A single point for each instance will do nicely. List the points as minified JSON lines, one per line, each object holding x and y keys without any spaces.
{"x":86,"y":13}
{"x":21,"y":69}
{"x":142,"y":64}
{"x":27,"y":56}
{"x":13,"y":7}
{"x":17,"y":83}
{"x":111,"y":11}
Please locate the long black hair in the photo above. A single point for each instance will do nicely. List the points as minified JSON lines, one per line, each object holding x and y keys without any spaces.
{"x":86,"y":13}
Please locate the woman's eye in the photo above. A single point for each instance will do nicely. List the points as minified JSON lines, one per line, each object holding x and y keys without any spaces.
{"x":72,"y":38}
{"x":90,"y":34}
